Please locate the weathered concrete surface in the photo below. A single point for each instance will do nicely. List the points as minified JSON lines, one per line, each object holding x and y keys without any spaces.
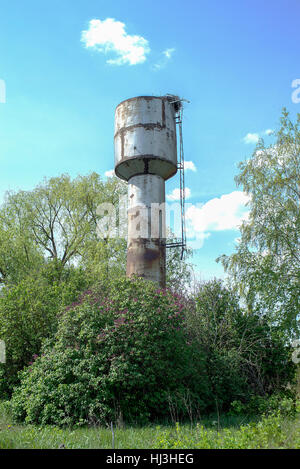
{"x":145,"y":156}
{"x":146,"y":255}
{"x":145,"y":137}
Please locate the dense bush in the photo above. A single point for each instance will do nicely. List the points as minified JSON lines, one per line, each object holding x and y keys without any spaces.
{"x":28,"y":314}
{"x":286,"y":403}
{"x":126,"y":350}
{"x":244,"y":356}
{"x":119,"y":353}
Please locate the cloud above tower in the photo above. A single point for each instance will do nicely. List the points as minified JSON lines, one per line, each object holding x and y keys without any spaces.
{"x":110,"y":38}
{"x":165,"y":57}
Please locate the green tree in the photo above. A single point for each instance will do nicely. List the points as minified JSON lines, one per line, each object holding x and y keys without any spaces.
{"x":57,"y":220}
{"x":19,"y":254}
{"x":60,"y":220}
{"x":265,"y":267}
{"x":179,"y":271}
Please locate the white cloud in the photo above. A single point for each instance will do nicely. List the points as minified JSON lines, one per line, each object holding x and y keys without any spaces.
{"x":190,"y":165}
{"x":109,"y":36}
{"x":175,"y":194}
{"x":254,"y":138}
{"x":169,"y":52}
{"x":167,"y":55}
{"x":251,"y":138}
{"x":110,"y":173}
{"x":224,"y":213}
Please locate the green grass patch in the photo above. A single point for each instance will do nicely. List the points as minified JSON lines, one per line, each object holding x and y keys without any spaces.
{"x":228,"y":431}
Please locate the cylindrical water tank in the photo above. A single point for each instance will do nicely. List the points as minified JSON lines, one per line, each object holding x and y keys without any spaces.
{"x":145,"y":137}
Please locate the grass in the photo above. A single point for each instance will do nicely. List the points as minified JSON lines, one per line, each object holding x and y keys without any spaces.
{"x":229,"y":432}
{"x":270,"y":432}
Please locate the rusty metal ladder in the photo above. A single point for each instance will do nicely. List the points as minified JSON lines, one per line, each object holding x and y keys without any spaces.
{"x":180,"y":166}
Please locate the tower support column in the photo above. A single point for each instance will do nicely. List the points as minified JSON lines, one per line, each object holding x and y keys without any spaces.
{"x":146,"y":254}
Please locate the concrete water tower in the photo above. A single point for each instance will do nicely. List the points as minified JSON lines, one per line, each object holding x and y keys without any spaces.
{"x":146,"y":156}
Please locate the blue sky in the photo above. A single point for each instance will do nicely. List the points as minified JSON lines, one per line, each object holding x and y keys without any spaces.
{"x":235,"y":62}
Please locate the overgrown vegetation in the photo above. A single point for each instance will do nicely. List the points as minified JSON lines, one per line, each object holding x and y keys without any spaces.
{"x":51,"y":250}
{"x":245,"y":356}
{"x":28,"y":315}
{"x":86,"y":347}
{"x":271,"y":431}
{"x":119,"y":353}
{"x":129,"y":351}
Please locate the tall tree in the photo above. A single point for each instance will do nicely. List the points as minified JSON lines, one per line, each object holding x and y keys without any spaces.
{"x":265,"y":267}
{"x":19,"y":254}
{"x":57,"y":220}
{"x":81,"y":221}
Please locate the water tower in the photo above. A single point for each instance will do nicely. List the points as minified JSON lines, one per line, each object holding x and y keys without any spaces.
{"x":145,"y":157}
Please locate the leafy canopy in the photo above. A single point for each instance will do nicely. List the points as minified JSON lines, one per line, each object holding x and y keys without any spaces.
{"x":265,"y":267}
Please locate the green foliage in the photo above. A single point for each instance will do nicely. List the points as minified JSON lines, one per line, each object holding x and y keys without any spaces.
{"x":265,"y":268}
{"x":119,"y":353}
{"x":44,"y":233}
{"x":56,"y":220}
{"x":178,"y":269}
{"x":63,"y":219}
{"x":129,"y":351}
{"x":258,"y":405}
{"x":274,"y":430}
{"x":244,"y":356}
{"x":271,"y":431}
{"x":126,"y":350}
{"x":19,"y":255}
{"x":28,"y":314}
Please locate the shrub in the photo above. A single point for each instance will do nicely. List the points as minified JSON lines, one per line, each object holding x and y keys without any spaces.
{"x":285,"y":403}
{"x":28,"y":314}
{"x":244,"y":356}
{"x":119,"y":353}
